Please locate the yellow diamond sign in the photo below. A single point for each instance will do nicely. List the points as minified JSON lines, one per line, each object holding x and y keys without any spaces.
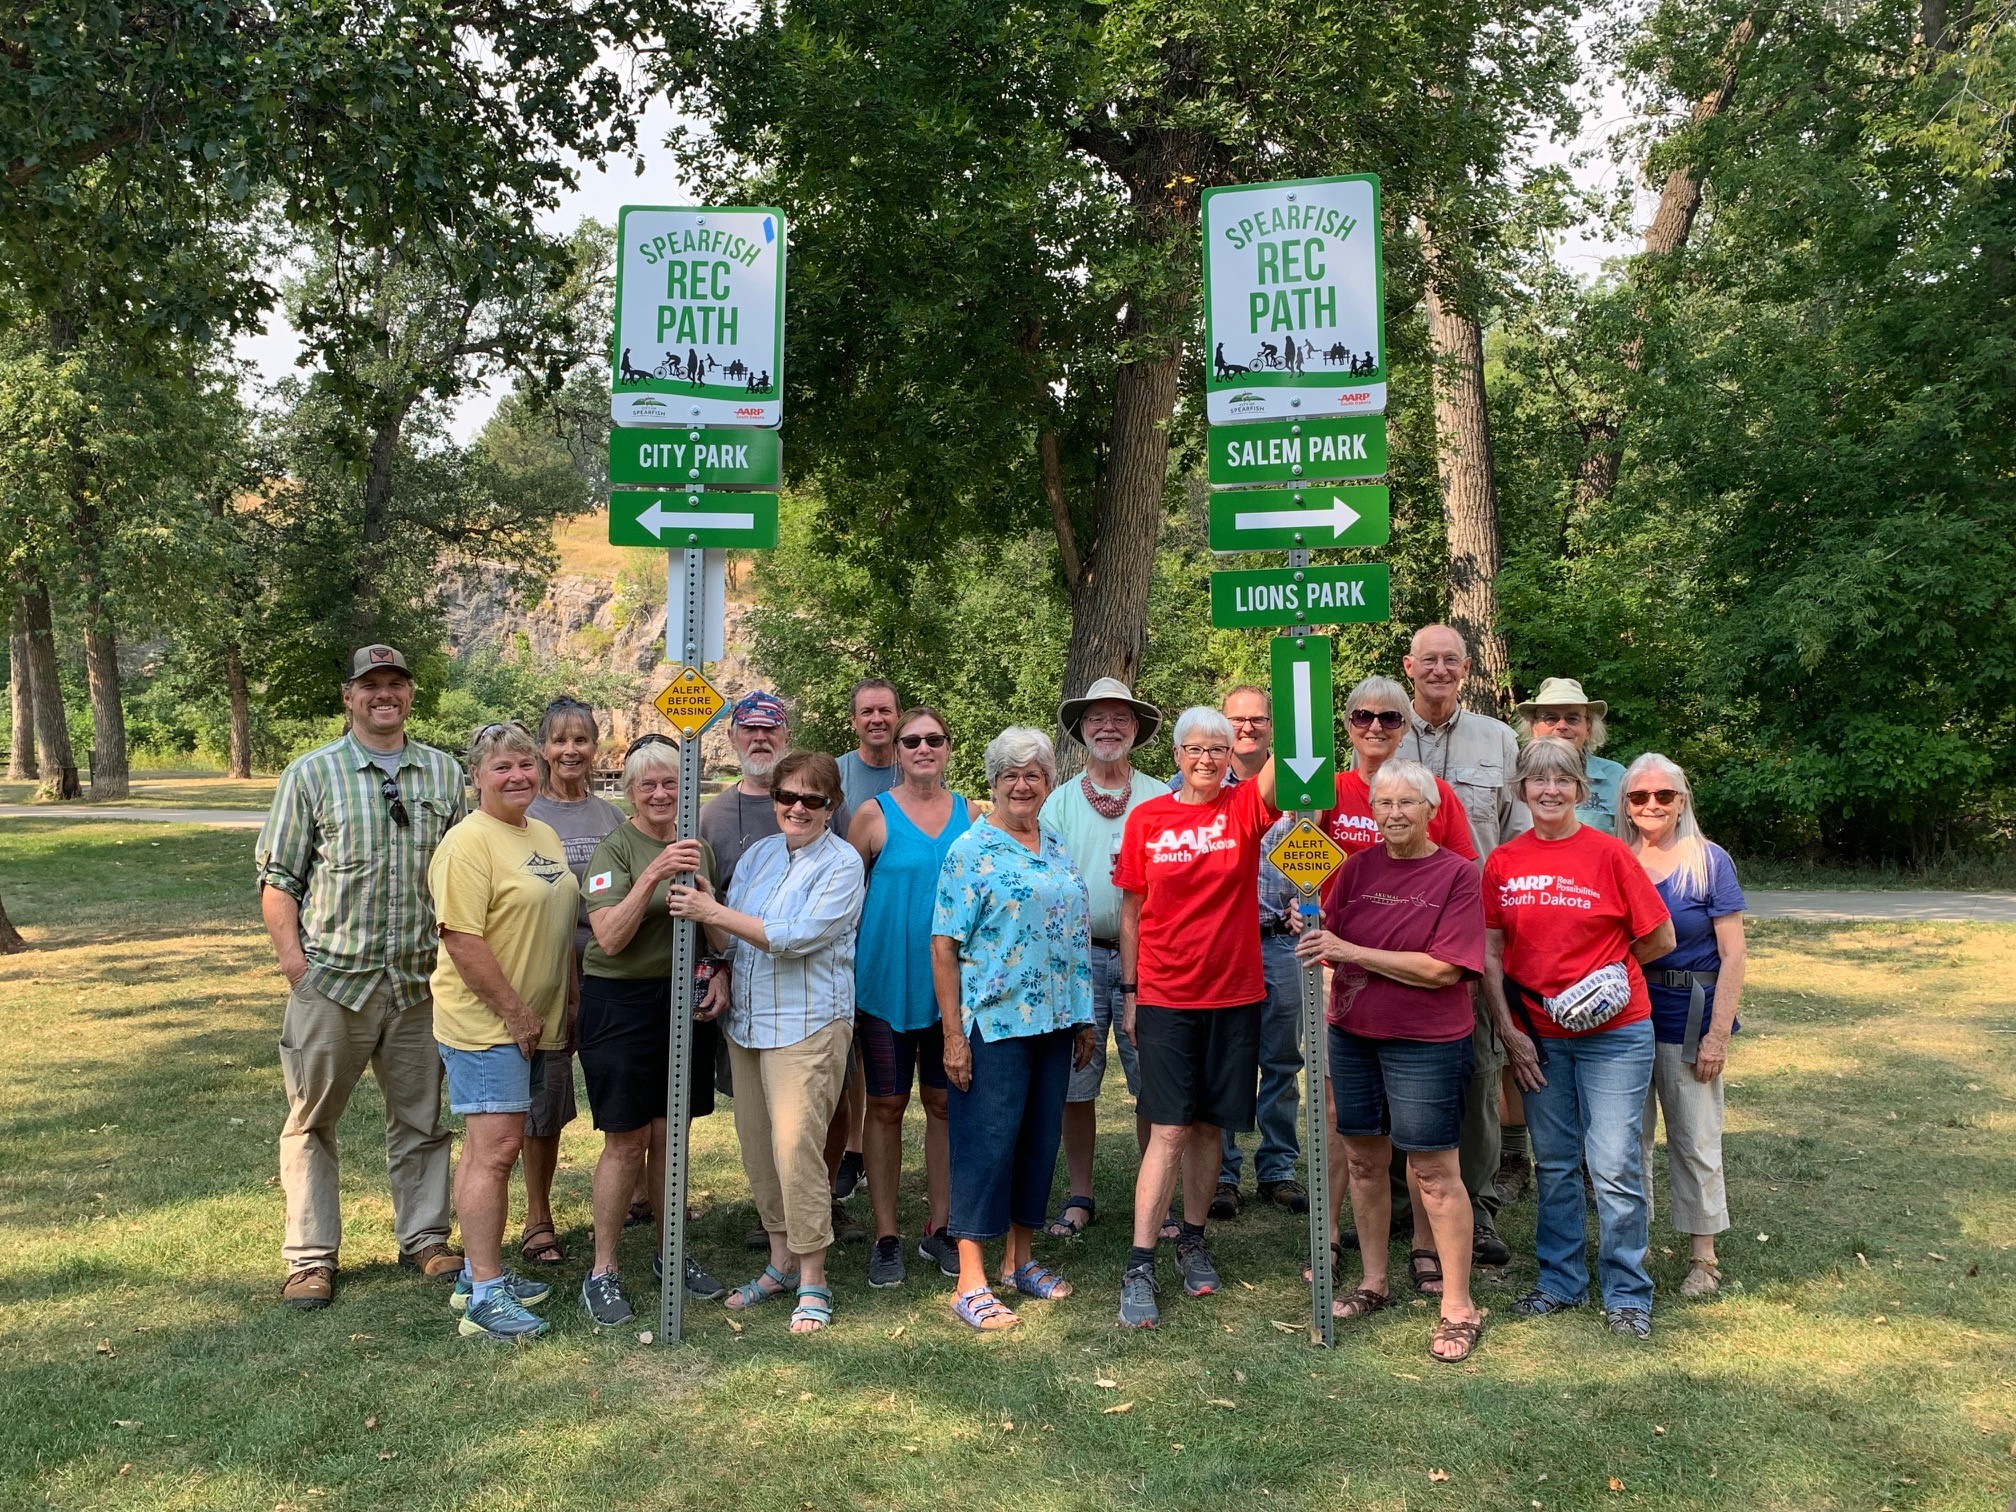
{"x":689,"y":702}
{"x":1306,"y":856}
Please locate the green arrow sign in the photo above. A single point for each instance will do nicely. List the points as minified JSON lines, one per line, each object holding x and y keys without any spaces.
{"x":1305,"y":734}
{"x":1316,"y":450}
{"x":1301,"y":596}
{"x":679,"y":458}
{"x":1281,"y":519}
{"x":692,"y":519}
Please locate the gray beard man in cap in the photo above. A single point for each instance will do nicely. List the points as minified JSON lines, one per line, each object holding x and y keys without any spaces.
{"x":342,"y":868}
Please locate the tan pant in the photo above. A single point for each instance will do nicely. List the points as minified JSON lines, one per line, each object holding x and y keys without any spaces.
{"x":324,"y":1048}
{"x":784,"y":1101}
{"x":1693,"y":1143}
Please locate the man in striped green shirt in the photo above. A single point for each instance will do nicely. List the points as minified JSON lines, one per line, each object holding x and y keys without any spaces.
{"x":342,"y":865}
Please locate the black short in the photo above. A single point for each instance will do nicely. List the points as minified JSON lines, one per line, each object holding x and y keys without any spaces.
{"x":624,"y":1043}
{"x":1198,"y":1065}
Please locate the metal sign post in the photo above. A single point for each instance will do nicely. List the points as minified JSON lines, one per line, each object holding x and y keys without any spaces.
{"x":1315,"y":1048}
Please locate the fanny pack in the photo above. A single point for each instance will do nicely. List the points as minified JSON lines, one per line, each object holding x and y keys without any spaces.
{"x":1592,"y":1002}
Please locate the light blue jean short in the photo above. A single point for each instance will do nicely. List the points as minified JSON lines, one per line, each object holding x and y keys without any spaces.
{"x":497,"y":1080}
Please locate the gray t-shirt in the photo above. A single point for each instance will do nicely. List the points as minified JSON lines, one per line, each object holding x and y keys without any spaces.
{"x":581,"y":824}
{"x":733,"y":821}
{"x":386,"y":761}
{"x":861,"y":782}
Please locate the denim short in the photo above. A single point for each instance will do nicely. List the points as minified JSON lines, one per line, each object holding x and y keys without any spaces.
{"x":497,"y":1080}
{"x":1410,"y":1089}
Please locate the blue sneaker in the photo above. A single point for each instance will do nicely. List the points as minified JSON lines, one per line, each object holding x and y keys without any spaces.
{"x":524,"y":1290}
{"x":500,"y":1316}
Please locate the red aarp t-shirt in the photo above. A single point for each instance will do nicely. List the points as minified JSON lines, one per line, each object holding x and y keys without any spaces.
{"x":1433,"y":904}
{"x":1567,"y":908}
{"x":1197,"y":868}
{"x":1352,"y":826}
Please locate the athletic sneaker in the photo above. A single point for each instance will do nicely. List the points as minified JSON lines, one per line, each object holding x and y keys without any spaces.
{"x":885,"y":1265}
{"x":850,"y":1178}
{"x":700,"y":1284}
{"x":1137,"y":1297}
{"x":603,"y":1300}
{"x":1193,"y":1259}
{"x":1631,"y":1322}
{"x":941,"y":1247}
{"x":500,"y":1316}
{"x":1537,"y":1304}
{"x":524,"y":1290}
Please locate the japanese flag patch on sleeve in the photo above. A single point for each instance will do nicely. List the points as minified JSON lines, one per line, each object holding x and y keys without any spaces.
{"x":601,"y":882}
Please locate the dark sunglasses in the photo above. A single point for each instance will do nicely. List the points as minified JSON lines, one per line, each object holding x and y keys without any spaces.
{"x":911,"y":742}
{"x":785,"y":798}
{"x":654,"y":738}
{"x":1386,"y":719}
{"x":1662,"y":796}
{"x":391,"y":791}
{"x":565,"y":702}
{"x":491,"y":729}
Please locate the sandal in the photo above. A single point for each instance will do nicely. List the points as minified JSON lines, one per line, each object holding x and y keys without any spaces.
{"x":749,"y":1293}
{"x":536,"y":1251}
{"x":1361,"y":1304}
{"x":1704,"y":1278}
{"x":981,"y":1309}
{"x":1336,"y":1262}
{"x":1172,"y":1228}
{"x":1451,"y":1331}
{"x":815,"y":1306}
{"x":1061,"y":1227}
{"x":1424,"y":1269}
{"x":641,"y":1213}
{"x":1032,"y":1280}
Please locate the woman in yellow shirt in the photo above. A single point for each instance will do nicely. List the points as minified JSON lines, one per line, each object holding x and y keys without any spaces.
{"x":504,"y":901}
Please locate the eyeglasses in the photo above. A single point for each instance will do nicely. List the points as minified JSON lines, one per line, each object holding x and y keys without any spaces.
{"x":1109,"y":721}
{"x":1386,"y":719}
{"x":785,"y":798}
{"x":654,"y":738}
{"x":1395,"y":805}
{"x":1662,"y":796}
{"x":391,"y":791}
{"x":1197,"y":752}
{"x":1256,"y":720}
{"x":911,"y":742}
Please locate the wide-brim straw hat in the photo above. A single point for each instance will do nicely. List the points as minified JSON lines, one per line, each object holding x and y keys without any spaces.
{"x":1071,"y":712}
{"x":1561,"y":693}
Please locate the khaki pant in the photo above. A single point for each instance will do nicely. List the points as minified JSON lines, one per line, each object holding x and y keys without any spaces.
{"x":784,"y":1101}
{"x":324,"y":1048}
{"x":1693,"y":1143}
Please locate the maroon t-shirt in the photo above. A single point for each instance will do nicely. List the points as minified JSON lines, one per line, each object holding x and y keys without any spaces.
{"x":1433,"y":904}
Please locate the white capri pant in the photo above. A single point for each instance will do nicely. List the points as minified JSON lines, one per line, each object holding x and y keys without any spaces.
{"x":1693,"y":1112}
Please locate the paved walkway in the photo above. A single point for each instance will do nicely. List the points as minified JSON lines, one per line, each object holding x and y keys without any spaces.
{"x":215,"y":818}
{"x":1967,"y":907}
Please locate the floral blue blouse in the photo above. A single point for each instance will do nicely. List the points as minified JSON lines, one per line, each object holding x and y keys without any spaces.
{"x":1024,"y":925}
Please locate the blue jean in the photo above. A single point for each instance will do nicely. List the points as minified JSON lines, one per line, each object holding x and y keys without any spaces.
{"x":1106,"y":1016}
{"x":1280,"y":1104}
{"x":1592,"y":1110}
{"x":498,"y":1080}
{"x":1005,"y":1129}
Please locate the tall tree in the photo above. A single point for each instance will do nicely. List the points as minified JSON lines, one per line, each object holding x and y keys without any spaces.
{"x":52,"y":729}
{"x":21,"y":698}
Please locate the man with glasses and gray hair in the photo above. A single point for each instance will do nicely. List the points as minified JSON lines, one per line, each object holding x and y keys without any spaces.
{"x":342,"y":869}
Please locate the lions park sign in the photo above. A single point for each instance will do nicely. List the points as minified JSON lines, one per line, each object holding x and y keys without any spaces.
{"x":699,"y":317}
{"x":1294,"y":318}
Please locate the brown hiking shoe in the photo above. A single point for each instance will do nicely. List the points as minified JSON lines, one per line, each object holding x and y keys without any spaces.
{"x":310,"y":1287}
{"x":434,"y":1262}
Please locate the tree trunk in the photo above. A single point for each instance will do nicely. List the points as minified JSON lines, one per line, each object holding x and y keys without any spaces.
{"x":11,"y":942}
{"x":1468,"y":483}
{"x":241,"y":710}
{"x":52,"y":731}
{"x":109,"y":775}
{"x":20,"y":686}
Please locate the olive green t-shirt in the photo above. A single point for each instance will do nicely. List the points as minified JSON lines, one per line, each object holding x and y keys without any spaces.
{"x":617,"y":863}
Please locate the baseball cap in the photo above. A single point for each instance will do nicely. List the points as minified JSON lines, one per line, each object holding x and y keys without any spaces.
{"x":370,"y":658}
{"x":759,"y":711}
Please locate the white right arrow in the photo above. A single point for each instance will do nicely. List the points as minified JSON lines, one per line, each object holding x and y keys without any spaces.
{"x":657,"y":520}
{"x":1304,"y":762}
{"x":1340,"y":517}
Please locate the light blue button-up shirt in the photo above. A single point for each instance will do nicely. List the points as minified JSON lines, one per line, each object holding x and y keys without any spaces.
{"x":810,"y":903}
{"x":1023,"y":920}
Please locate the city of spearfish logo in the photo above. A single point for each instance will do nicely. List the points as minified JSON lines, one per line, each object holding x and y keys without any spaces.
{"x":642,"y":406}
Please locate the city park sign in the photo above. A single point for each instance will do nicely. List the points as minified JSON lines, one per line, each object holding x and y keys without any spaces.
{"x":699,"y":317}
{"x":1294,"y":314}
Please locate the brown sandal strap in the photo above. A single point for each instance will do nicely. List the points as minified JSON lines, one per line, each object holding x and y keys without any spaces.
{"x":530,"y":1241}
{"x":1365,"y":1302}
{"x":1461,"y":1332}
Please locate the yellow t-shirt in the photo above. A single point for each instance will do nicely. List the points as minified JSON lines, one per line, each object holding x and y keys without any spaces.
{"x":512,"y":887}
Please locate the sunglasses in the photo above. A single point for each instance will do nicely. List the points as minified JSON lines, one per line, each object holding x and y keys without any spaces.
{"x":785,"y":798}
{"x":564,"y":702}
{"x":654,"y":738}
{"x":1661,"y":796}
{"x":491,"y":729}
{"x":911,"y":742}
{"x":1386,"y":719}
{"x":391,"y":791}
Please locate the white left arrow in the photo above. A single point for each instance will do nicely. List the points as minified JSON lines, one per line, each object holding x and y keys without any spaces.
{"x":1304,"y":762}
{"x":1340,"y":517}
{"x":658,"y":520}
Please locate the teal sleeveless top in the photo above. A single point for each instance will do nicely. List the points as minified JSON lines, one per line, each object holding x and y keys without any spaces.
{"x":892,"y":953}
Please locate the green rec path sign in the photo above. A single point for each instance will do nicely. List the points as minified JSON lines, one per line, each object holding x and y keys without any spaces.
{"x":1311,"y":519}
{"x":1305,"y":736}
{"x":1321,"y":449}
{"x":680,"y":520}
{"x":1290,"y":596}
{"x":1294,"y":308}
{"x":699,"y":316}
{"x":713,"y":458}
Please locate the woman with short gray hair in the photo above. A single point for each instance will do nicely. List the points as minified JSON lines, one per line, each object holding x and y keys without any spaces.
{"x":1193,"y":988}
{"x":1011,"y":962}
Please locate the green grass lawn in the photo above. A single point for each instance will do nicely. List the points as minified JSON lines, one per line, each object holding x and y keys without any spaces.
{"x":1862,"y":1355}
{"x":175,"y":789}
